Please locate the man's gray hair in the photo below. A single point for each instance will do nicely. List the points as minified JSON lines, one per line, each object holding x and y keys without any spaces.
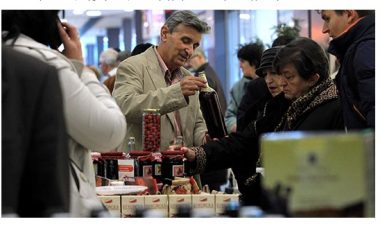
{"x":109,"y":57}
{"x":187,"y":18}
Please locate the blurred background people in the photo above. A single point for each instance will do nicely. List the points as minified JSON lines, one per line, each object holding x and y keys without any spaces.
{"x":93,"y":119}
{"x":121,"y":56}
{"x":249,"y":59}
{"x":34,"y":155}
{"x":108,"y":65}
{"x":140,"y":48}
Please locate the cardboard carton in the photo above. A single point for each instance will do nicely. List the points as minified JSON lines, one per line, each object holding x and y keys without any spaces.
{"x":328,"y":174}
{"x":221,"y":200}
{"x":204,"y":201}
{"x":176,"y":200}
{"x":157,"y":202}
{"x":112,"y":203}
{"x":129,"y":203}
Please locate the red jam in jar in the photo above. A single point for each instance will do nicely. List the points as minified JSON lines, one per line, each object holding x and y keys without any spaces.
{"x":151,"y":130}
{"x":172,"y":164}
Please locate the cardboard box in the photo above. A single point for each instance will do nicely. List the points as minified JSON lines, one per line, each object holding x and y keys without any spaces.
{"x":112,"y":203}
{"x":329,"y":174}
{"x":157,"y":202}
{"x":203,"y":201}
{"x":176,"y":200}
{"x":221,"y":200}
{"x":129,"y":203}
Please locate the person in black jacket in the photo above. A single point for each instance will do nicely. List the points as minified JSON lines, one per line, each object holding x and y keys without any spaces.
{"x":35,"y":163}
{"x":304,"y":73}
{"x":353,"y":43}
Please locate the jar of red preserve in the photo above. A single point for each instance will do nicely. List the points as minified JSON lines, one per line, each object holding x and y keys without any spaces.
{"x":151,"y":123}
{"x":172,"y":163}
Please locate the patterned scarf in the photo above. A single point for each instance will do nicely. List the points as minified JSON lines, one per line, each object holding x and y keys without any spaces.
{"x":318,"y":95}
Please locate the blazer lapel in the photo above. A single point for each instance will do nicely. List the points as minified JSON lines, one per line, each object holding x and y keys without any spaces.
{"x":154,"y":69}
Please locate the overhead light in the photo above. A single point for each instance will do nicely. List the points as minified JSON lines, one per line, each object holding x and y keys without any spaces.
{"x":93,"y":13}
{"x":78,"y":12}
{"x":245,"y":16}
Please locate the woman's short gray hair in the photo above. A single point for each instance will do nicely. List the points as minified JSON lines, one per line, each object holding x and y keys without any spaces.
{"x":187,"y":18}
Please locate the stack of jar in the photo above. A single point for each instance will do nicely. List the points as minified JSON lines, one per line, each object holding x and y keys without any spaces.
{"x":107,"y":164}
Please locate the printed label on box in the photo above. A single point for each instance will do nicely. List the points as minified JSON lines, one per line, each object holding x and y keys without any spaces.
{"x":221,"y":200}
{"x":129,"y":205}
{"x":203,"y":201}
{"x":177,"y":200}
{"x":112,"y":203}
{"x":158,"y":202}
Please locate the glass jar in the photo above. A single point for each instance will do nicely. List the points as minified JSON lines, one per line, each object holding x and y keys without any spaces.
{"x":131,"y":144}
{"x":142,"y":162}
{"x":172,"y":164}
{"x":151,"y":123}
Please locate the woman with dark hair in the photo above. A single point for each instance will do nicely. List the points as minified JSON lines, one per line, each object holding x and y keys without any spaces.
{"x":303,"y":65}
{"x":93,"y":119}
{"x":302,"y":69}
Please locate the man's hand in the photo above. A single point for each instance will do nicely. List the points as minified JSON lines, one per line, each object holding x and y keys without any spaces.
{"x":191,"y":84}
{"x":71,"y":41}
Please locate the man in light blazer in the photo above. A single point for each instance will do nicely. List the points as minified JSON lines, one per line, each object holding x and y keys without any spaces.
{"x":156,"y":79}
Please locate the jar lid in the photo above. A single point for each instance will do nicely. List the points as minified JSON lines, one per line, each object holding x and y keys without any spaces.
{"x":136,"y":153}
{"x":111,"y":153}
{"x":152,"y":110}
{"x":173,"y":152}
{"x":149,"y":158}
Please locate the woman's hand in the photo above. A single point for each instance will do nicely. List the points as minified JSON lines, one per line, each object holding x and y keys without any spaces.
{"x":189,"y":154}
{"x":71,"y":41}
